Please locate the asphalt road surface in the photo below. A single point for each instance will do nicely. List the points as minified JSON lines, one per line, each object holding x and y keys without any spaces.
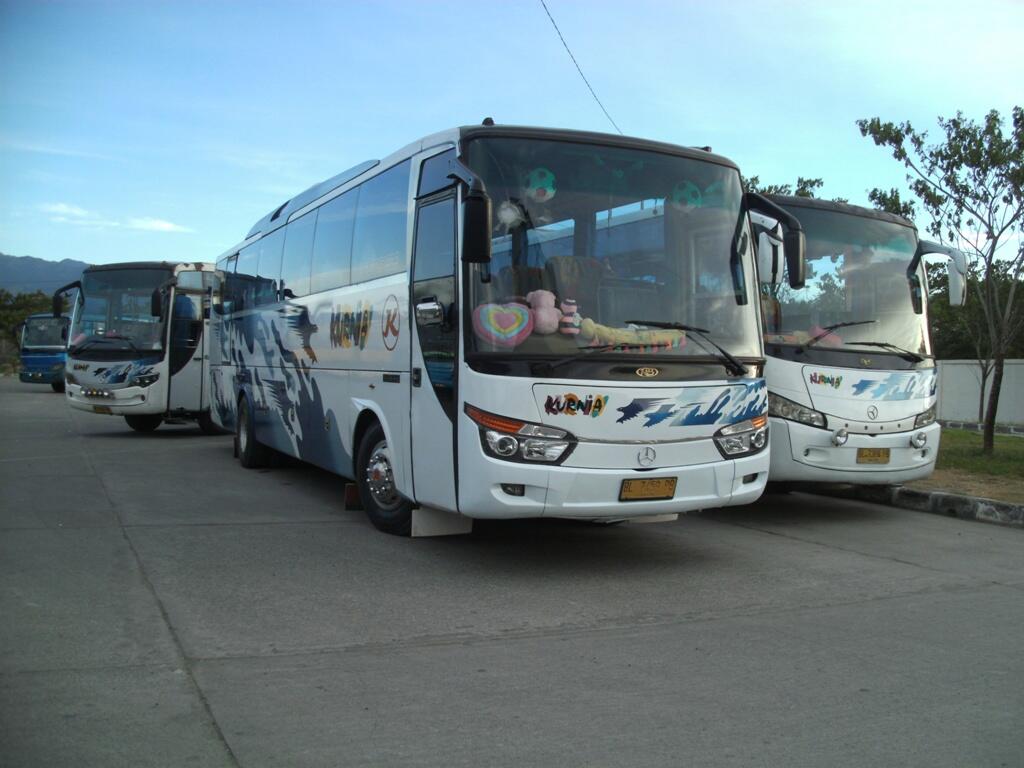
{"x":160,"y":605}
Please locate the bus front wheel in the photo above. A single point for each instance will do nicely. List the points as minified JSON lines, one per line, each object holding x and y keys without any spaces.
{"x":387,"y":509}
{"x":251,"y":454}
{"x":144,"y":423}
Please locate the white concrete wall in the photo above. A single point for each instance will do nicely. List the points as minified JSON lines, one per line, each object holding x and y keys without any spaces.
{"x":959,"y":385}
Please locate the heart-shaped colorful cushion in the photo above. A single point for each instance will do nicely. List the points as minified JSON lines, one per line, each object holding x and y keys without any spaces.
{"x":503,"y":325}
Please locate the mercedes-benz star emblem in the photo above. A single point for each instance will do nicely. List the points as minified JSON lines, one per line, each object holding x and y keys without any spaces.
{"x":646,"y":456}
{"x":872,"y":412}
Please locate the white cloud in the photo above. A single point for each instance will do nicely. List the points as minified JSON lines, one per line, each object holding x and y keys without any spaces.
{"x":67,"y":213}
{"x":65,"y":210}
{"x":49,"y":149}
{"x":149,"y":224}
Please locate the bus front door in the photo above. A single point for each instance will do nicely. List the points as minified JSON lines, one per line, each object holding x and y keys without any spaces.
{"x":434,"y":348}
{"x":186,"y":347}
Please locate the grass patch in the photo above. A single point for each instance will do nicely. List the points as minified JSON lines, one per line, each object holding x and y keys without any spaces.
{"x":961,"y":450}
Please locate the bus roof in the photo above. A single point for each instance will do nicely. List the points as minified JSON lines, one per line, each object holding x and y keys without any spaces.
{"x":279,"y":216}
{"x":176,"y":266}
{"x":829,"y":205}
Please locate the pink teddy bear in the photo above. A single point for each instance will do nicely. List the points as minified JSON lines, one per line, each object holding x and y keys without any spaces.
{"x":545,"y":314}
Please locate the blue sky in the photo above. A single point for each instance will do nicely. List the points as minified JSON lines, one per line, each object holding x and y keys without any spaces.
{"x":145,"y":130}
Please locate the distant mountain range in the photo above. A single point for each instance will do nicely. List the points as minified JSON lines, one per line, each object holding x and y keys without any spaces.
{"x":24,"y":274}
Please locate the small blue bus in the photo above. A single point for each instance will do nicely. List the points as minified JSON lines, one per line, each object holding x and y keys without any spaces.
{"x":43,"y":347}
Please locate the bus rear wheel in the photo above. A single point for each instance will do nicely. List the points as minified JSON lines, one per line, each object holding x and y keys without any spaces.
{"x":144,"y":423}
{"x":387,"y":509}
{"x":57,"y":386}
{"x":251,"y":454}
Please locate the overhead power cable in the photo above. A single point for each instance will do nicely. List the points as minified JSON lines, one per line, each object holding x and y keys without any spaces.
{"x":587,"y":82}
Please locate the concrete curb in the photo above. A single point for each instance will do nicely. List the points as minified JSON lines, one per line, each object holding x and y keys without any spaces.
{"x":933,"y":502}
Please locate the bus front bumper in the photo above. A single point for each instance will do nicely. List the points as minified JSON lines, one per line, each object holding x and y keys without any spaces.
{"x":593,"y":494}
{"x":118,"y":402}
{"x":800,"y":453}
{"x":36,"y":376}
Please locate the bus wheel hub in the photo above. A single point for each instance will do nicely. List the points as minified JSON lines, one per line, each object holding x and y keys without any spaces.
{"x":380,"y":480}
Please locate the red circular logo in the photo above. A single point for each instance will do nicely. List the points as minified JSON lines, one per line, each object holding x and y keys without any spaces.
{"x":390,"y":323}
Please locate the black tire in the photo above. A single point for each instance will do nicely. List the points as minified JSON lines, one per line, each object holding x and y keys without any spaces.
{"x":779,"y":488}
{"x":387,"y":510}
{"x":144,"y":423}
{"x":57,"y":386}
{"x":208,"y":427}
{"x":251,"y":454}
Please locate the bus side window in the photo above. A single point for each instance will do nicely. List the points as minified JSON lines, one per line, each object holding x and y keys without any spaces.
{"x":298,"y":255}
{"x":245,"y":278}
{"x":378,"y":240}
{"x":269,"y":270}
{"x":332,"y":245}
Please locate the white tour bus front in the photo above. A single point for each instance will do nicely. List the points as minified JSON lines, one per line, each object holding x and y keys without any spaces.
{"x":851,"y":378}
{"x":138,"y":340}
{"x":505,"y":322}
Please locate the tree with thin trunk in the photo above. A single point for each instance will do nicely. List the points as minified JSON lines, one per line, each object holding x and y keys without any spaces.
{"x":971,"y":183}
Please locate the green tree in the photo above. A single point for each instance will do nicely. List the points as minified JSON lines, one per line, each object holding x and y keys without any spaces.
{"x":14,"y":308}
{"x":971,"y":184}
{"x":803,"y":188}
{"x":891,"y":202}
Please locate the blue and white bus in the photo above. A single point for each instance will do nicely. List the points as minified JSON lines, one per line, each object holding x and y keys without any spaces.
{"x":499,"y":322}
{"x":139,"y":346}
{"x":852,"y":382}
{"x":43,"y":339}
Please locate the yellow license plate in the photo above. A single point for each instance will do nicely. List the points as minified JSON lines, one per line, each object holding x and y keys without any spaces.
{"x":648,"y":490}
{"x":101,"y":409}
{"x":872,"y":455}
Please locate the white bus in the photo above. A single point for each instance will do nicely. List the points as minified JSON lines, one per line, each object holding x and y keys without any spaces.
{"x":851,"y":378}
{"x":138,"y":345}
{"x":505,"y":322}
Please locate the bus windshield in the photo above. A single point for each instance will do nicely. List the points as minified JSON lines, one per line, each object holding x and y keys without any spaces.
{"x":44,"y":332}
{"x":591,"y":240}
{"x":113,"y":318}
{"x":857,"y":296}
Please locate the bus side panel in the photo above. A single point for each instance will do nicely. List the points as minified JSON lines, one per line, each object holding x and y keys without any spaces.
{"x":312,"y":365}
{"x":361,"y":346}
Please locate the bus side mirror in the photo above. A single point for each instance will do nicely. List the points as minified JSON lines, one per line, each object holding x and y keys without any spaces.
{"x":476,"y":225}
{"x":156,"y":303}
{"x":58,"y":297}
{"x":793,"y":241}
{"x":957,"y":287}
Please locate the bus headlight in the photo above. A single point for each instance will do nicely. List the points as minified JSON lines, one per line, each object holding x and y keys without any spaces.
{"x":787,"y":409}
{"x":924,"y":419}
{"x":145,"y":380}
{"x":523,"y":441}
{"x":743,"y":438}
{"x":918,"y":440}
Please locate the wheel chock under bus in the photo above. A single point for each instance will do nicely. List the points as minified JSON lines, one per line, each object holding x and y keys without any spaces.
{"x":352,"y":500}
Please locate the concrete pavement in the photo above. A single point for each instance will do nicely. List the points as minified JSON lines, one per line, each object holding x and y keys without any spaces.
{"x":162,"y":606}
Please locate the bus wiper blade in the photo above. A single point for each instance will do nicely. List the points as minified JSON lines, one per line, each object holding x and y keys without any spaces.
{"x":731,"y":363}
{"x":129,"y":342}
{"x":906,"y":354}
{"x":75,"y":348}
{"x":829,"y":328}
{"x":583,"y":352}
